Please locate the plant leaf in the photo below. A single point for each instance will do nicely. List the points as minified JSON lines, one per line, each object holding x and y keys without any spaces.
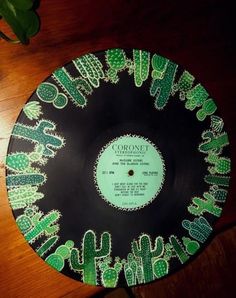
{"x":22,"y":4}
{"x":24,"y":22}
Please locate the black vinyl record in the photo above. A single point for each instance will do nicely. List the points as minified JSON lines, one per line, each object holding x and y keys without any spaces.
{"x":118,"y":167}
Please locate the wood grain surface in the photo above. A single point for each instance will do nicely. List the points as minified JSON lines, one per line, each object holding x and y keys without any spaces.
{"x":199,"y":35}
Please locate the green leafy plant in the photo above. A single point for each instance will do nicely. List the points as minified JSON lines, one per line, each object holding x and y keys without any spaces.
{"x":21,"y":17}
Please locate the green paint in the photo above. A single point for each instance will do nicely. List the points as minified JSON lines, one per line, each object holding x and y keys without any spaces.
{"x":184,"y":84}
{"x":47,"y":245}
{"x":23,"y":196}
{"x":198,"y":229}
{"x":90,"y":68}
{"x":143,"y":249}
{"x":160,"y":267}
{"x":217,"y":180}
{"x":141,"y":66}
{"x":22,"y":161}
{"x":15,"y":180}
{"x":208,"y":108}
{"x":133,"y":270}
{"x":90,"y":255}
{"x":213,"y":142}
{"x":217,"y":124}
{"x":222,"y":165}
{"x":219,"y":194}
{"x":57,"y":259}
{"x":161,"y":87}
{"x":191,"y":246}
{"x":43,"y":225}
{"x":196,"y":97}
{"x":208,"y":204}
{"x":42,"y":134}
{"x":110,"y":275}
{"x":178,"y":248}
{"x":32,"y":110}
{"x":67,"y":83}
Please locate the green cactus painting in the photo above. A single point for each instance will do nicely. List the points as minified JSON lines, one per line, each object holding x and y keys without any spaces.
{"x":141,"y":66}
{"x":57,"y":259}
{"x":208,"y":204}
{"x":143,"y":249}
{"x":222,"y":165}
{"x":41,"y":225}
{"x":198,"y":229}
{"x":161,"y":86}
{"x":184,"y":84}
{"x":22,"y":161}
{"x":110,"y":275}
{"x":90,"y":68}
{"x":47,"y":245}
{"x":32,"y":110}
{"x":23,"y":196}
{"x":213,"y":142}
{"x":116,"y":61}
{"x":208,"y":108}
{"x":133,"y":270}
{"x":90,"y":254}
{"x":40,"y":134}
{"x":69,"y":87}
{"x":217,"y":180}
{"x":179,"y":249}
{"x":196,"y":97}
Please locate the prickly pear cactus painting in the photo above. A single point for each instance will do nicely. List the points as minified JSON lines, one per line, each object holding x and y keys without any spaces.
{"x":56,"y":146}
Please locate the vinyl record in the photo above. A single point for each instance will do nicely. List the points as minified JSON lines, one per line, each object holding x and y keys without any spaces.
{"x":118,"y":168}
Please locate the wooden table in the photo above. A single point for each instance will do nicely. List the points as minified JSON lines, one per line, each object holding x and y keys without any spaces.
{"x":200,"y":37}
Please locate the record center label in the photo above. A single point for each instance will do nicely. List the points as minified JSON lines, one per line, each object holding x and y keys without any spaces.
{"x":129,"y":172}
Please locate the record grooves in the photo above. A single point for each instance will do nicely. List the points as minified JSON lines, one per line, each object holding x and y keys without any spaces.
{"x":118,"y":168}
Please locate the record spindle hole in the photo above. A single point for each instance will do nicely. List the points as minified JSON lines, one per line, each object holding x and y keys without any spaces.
{"x":131,"y":173}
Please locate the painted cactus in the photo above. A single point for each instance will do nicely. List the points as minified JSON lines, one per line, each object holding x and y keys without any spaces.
{"x":160,"y":267}
{"x":217,"y":180}
{"x":57,"y":259}
{"x":159,"y":65}
{"x":191,"y":246}
{"x":41,"y":134}
{"x":219,"y":194}
{"x":40,"y":225}
{"x":161,"y":87}
{"x":47,"y":245}
{"x":48,"y":92}
{"x":178,"y":248}
{"x":206,"y":204}
{"x":69,"y":86}
{"x":222,"y":165}
{"x":110,"y":275}
{"x":141,"y":66}
{"x":213,"y":142}
{"x":24,"y":196}
{"x":196,"y":97}
{"x":198,"y":229}
{"x":117,"y":61}
{"x":208,"y":108}
{"x":217,"y":124}
{"x":184,"y":84}
{"x":33,"y":179}
{"x":22,"y":161}
{"x":90,"y":68}
{"x":143,"y":249}
{"x":32,"y":110}
{"x":133,"y":270}
{"x":90,"y":256}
